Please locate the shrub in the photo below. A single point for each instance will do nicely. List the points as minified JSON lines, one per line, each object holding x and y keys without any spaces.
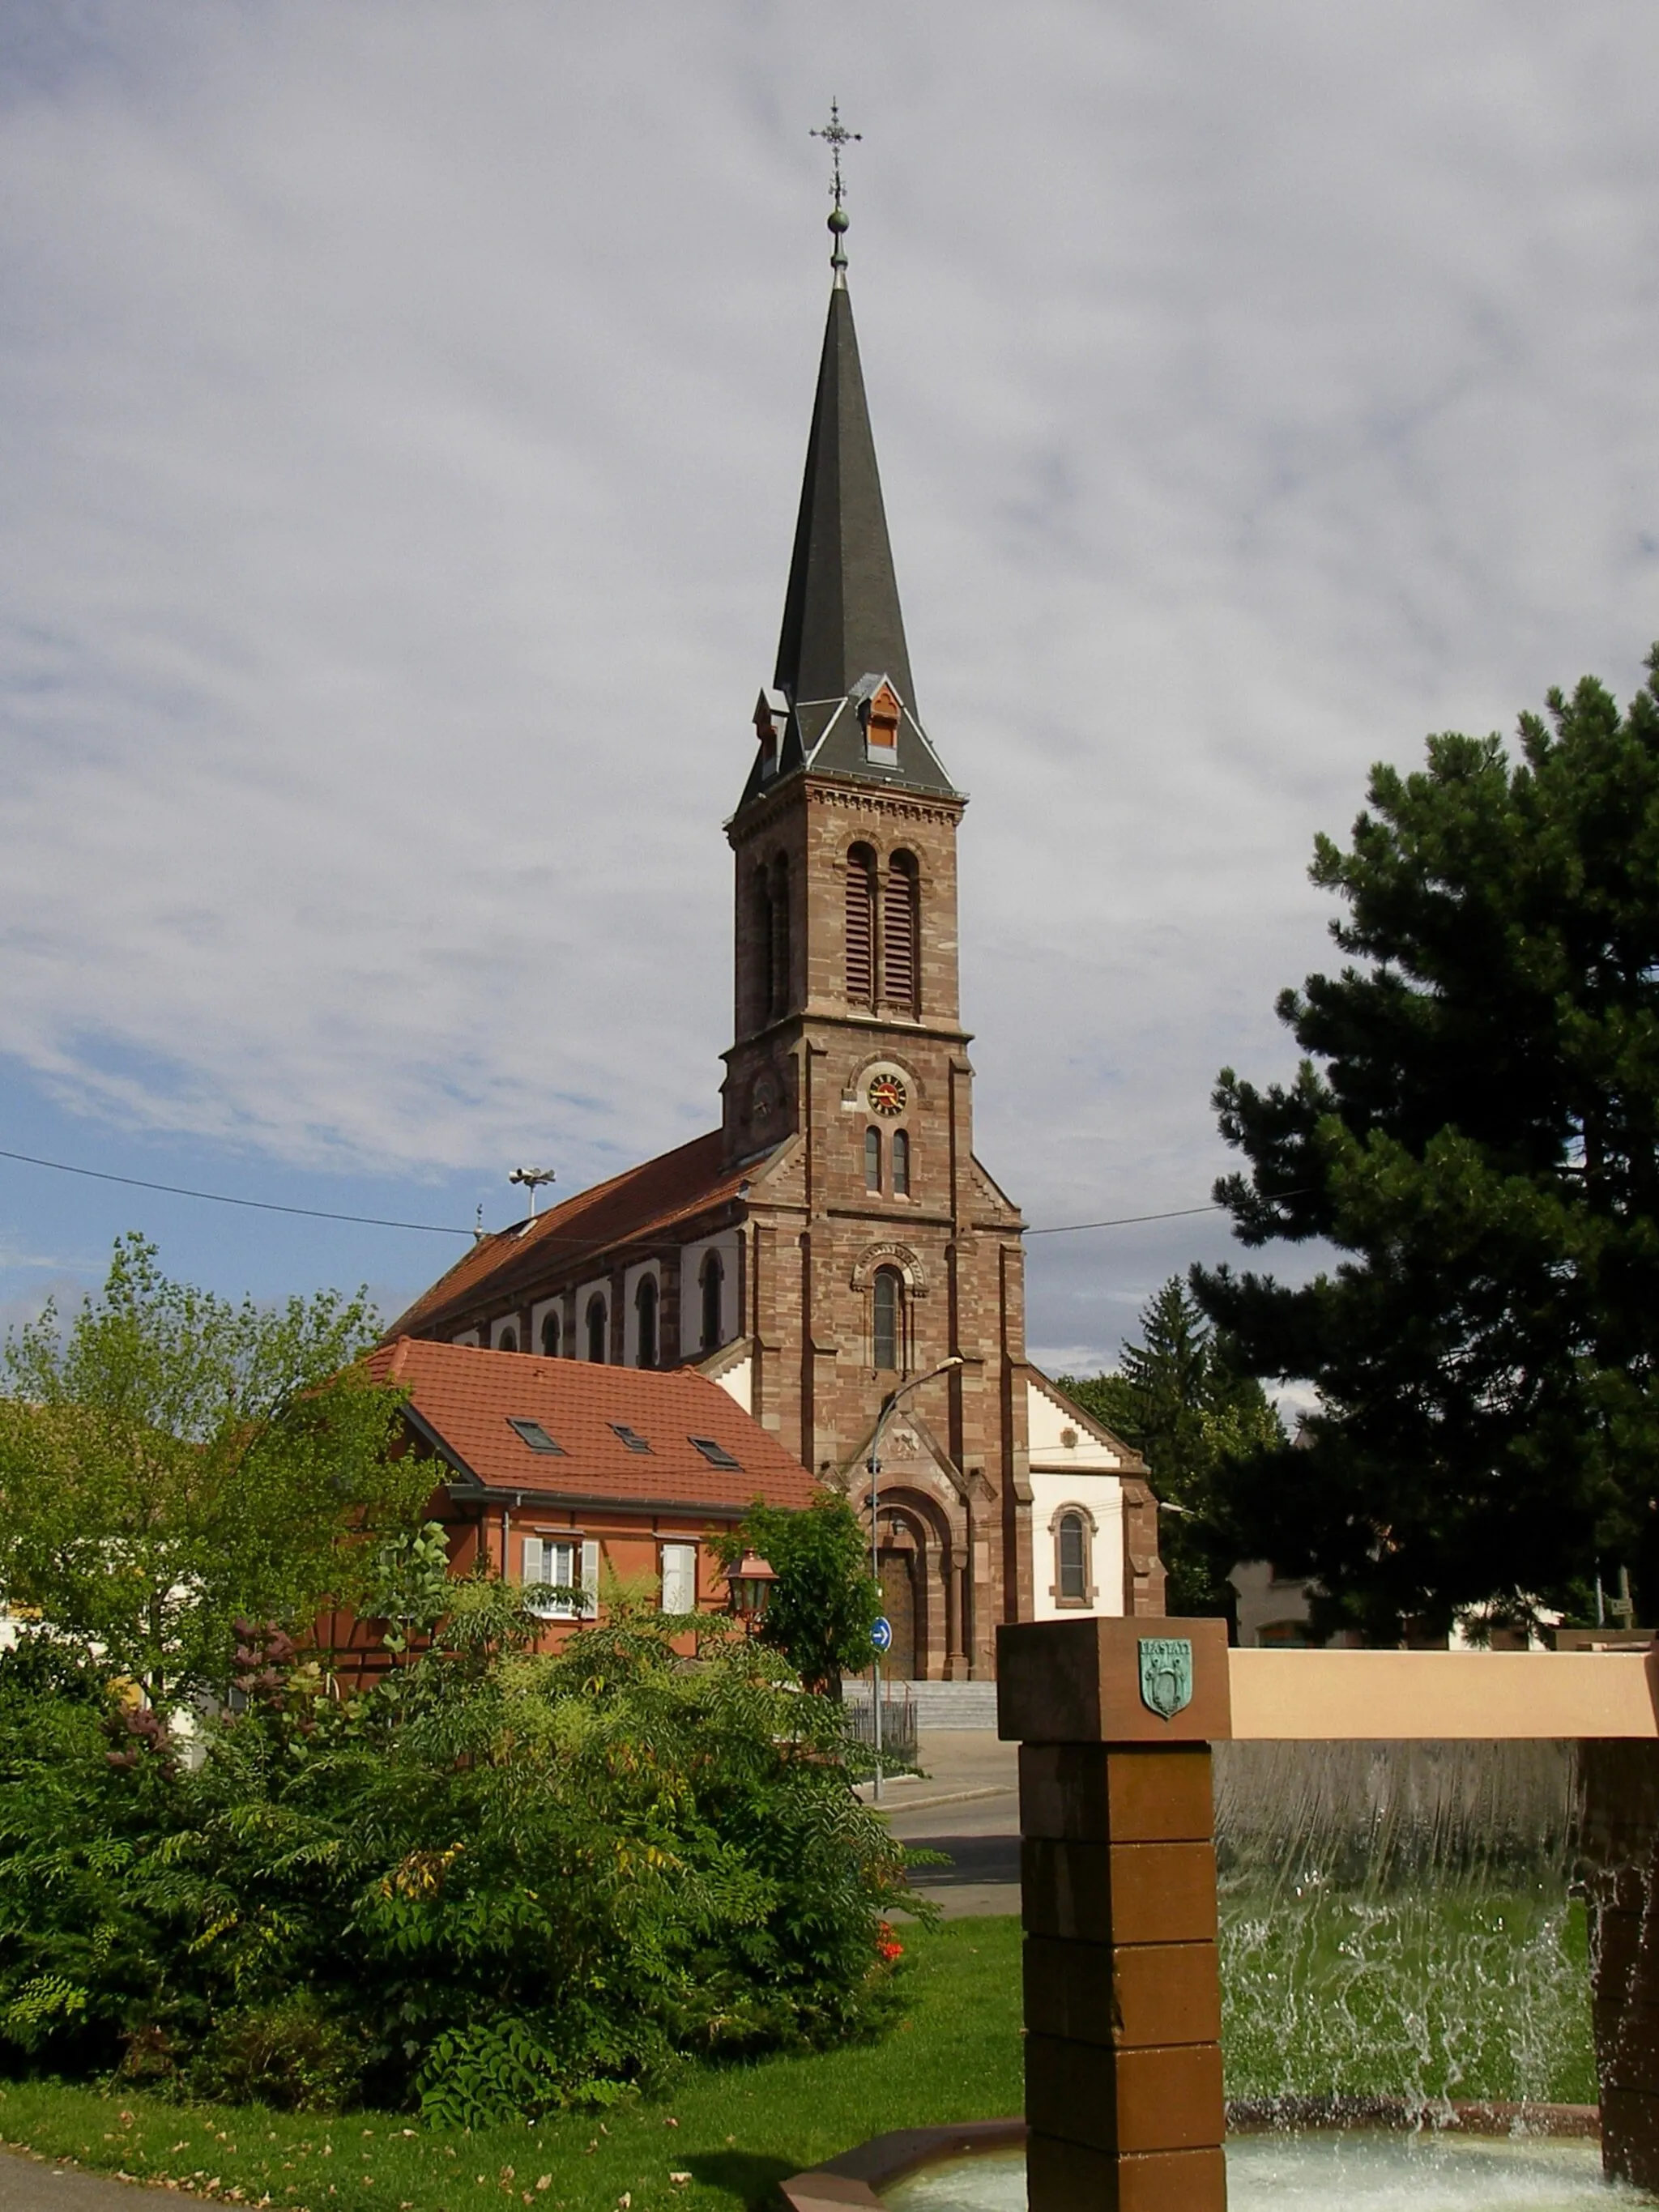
{"x":497,"y":1883}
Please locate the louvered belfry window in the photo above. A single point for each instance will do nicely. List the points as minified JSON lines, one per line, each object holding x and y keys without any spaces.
{"x":780,"y":946}
{"x":899,"y":933}
{"x":861,"y":926}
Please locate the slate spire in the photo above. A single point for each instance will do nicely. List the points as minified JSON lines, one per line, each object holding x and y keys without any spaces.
{"x":840,"y":614}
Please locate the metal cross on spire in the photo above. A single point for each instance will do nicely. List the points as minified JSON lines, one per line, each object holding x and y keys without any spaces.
{"x":836,"y":134}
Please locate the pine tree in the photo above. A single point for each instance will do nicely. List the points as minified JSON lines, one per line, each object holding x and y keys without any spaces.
{"x":1179,"y":1398}
{"x":1475,"y":1126}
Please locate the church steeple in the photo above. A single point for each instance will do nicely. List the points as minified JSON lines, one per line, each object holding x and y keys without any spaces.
{"x":840,"y":613}
{"x":846,"y":706}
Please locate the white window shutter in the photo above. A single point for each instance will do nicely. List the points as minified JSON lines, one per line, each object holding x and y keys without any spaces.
{"x":679,"y":1577}
{"x":534,"y":1557}
{"x":590,"y":1579}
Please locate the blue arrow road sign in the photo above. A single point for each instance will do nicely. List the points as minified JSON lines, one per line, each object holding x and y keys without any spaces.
{"x":882,"y":1634}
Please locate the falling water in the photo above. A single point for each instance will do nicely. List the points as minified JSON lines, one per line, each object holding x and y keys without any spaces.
{"x":1397,"y":1921}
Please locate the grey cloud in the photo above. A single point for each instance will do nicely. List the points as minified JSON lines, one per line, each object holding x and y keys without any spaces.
{"x":402,"y":413}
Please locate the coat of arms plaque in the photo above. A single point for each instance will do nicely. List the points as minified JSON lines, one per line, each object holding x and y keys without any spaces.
{"x":1166,"y":1674}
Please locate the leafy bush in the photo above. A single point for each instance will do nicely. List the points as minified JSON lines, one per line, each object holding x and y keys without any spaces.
{"x":497,"y":1883}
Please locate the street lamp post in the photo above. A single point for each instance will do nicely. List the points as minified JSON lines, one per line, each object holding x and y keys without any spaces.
{"x":874,"y":1466}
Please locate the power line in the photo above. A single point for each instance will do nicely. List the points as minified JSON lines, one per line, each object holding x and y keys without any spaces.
{"x":1125,"y":1220}
{"x":221,"y":1198}
{"x":443,"y":1228}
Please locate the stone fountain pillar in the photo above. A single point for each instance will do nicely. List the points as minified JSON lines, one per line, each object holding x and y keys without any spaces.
{"x":1123,"y":2091}
{"x":1618,"y":1852}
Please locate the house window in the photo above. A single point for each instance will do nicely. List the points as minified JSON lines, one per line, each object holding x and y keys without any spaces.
{"x":900,"y":1163}
{"x":562,"y":1577}
{"x":645,"y":1317}
{"x":715,"y":1452}
{"x":872,"y":1159}
{"x":888,"y":1332}
{"x":860,"y":951}
{"x":901,"y":929}
{"x":679,"y":1577}
{"x":550,"y":1335}
{"x":710,"y":1279}
{"x":1071,"y":1559}
{"x":631,"y":1437}
{"x":507,"y":1340}
{"x":596,"y":1329}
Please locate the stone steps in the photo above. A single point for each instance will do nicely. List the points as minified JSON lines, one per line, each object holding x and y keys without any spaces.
{"x":936,"y":1705}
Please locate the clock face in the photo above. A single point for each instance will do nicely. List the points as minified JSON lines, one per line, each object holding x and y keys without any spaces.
{"x":887,"y":1094}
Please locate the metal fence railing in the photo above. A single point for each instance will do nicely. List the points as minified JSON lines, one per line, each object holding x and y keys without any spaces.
{"x":898,"y":1726}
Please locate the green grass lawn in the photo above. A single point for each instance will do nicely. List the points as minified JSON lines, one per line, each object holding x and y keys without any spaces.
{"x":735,"y":2131}
{"x":1438,"y":1997}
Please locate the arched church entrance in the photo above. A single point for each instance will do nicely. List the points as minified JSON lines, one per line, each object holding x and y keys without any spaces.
{"x":913,"y":1562}
{"x":897,"y":1565}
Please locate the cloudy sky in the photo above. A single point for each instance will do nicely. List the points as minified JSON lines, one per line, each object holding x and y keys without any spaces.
{"x":401,"y":406}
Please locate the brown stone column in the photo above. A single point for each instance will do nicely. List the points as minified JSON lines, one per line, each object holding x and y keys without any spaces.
{"x":1123,"y":2088}
{"x":1618,"y":1844}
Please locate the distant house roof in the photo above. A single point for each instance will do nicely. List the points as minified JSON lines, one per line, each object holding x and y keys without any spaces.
{"x":563,"y":1429}
{"x":641,"y":1203}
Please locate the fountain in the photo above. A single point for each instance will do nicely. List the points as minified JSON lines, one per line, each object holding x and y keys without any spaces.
{"x":1125,"y":2107}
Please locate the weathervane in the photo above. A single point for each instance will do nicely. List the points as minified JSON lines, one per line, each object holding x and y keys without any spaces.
{"x":836,"y":134}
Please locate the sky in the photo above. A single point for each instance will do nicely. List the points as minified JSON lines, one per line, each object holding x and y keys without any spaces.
{"x":402,"y":408}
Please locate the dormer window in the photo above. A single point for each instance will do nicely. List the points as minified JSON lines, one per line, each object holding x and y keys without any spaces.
{"x":880,"y":716}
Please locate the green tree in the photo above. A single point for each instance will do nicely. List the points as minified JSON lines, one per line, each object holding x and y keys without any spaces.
{"x":172,"y":1460}
{"x":825,"y":1601}
{"x":1475,"y":1126}
{"x":1181,"y":1400}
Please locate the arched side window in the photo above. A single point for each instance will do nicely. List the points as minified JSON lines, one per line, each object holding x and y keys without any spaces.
{"x":645,"y":1320}
{"x":887,"y":1331}
{"x":597,"y":1330}
{"x":861,"y":926}
{"x":779,"y":937}
{"x":711,"y":1279}
{"x":507,"y":1340}
{"x":551,"y":1334}
{"x":872,"y":1158}
{"x":900,"y":1163}
{"x":900,"y":932}
{"x":1071,"y":1559}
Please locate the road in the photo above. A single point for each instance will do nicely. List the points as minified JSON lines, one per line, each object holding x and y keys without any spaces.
{"x":967,"y":1807}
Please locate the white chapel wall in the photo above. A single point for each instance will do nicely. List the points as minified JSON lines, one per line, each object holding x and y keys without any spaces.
{"x":1071,"y":1467}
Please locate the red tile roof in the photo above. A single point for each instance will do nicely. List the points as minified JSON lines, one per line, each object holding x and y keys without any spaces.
{"x":639,"y":1204}
{"x":466,"y":1399}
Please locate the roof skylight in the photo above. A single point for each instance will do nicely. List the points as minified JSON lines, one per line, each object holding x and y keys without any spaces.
{"x":630,"y":1438}
{"x":535,"y":1435}
{"x":715,"y":1453}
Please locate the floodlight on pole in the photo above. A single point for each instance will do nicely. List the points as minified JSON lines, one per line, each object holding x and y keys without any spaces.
{"x":873,"y":1468}
{"x":533,"y":1179}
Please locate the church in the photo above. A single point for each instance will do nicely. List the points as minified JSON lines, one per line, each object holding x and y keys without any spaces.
{"x":835,"y":1240}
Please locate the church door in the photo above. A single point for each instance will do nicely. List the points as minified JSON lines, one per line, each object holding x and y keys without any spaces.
{"x":898,"y":1592}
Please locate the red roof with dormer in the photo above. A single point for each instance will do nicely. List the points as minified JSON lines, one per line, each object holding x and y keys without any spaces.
{"x":467,"y":1402}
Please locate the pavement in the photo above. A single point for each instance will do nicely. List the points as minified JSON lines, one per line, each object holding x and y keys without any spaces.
{"x":966,"y":1804}
{"x":45,"y":2184}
